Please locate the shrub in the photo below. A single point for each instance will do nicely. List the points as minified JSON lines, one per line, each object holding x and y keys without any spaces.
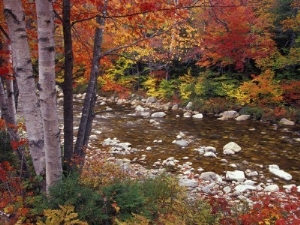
{"x":124,"y":198}
{"x":89,"y":204}
{"x":255,"y":112}
{"x":98,"y":172}
{"x":261,"y":90}
{"x":65,"y":215}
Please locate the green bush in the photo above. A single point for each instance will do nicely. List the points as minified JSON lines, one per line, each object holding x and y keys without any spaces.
{"x":89,"y":204}
{"x":255,"y":112}
{"x":124,"y":198}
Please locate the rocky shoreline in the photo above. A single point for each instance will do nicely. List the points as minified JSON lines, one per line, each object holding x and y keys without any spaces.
{"x":235,"y":186}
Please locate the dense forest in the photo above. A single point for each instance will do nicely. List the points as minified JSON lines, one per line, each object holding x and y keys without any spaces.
{"x":218,"y":54}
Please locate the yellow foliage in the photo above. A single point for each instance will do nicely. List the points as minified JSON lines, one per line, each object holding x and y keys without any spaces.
{"x":151,"y":85}
{"x":65,"y":215}
{"x":185,"y":85}
{"x":262,"y":89}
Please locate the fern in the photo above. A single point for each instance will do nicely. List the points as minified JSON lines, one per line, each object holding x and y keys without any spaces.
{"x":65,"y":215}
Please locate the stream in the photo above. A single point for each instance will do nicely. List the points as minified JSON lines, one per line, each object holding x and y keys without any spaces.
{"x":262,"y":144}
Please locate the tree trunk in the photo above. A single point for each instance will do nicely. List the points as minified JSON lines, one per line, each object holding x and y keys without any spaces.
{"x":22,"y":65}
{"x":11,"y":127}
{"x":46,"y":51}
{"x":90,"y":97}
{"x":68,"y":84}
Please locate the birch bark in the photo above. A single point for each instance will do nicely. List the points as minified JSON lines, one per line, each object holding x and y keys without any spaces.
{"x":46,"y":56}
{"x":15,"y":19}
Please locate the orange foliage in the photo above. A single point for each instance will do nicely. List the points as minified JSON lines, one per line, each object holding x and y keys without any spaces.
{"x":291,"y":92}
{"x":261,"y":90}
{"x":233,"y":33}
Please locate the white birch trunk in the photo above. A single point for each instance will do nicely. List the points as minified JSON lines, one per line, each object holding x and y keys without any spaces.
{"x":46,"y":50}
{"x":15,"y":18}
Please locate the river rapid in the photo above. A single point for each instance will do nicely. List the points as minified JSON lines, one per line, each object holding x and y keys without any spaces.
{"x":262,"y":144}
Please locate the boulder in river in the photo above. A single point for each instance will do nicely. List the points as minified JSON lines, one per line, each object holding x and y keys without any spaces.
{"x":158,"y":114}
{"x":236,"y":175}
{"x":274,"y":169}
{"x":242,"y":117}
{"x":228,"y":115}
{"x":287,"y":122}
{"x":231,"y":148}
{"x":181,"y":143}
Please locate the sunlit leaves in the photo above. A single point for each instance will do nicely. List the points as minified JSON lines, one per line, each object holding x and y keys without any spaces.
{"x":261,"y":90}
{"x":234,"y":33}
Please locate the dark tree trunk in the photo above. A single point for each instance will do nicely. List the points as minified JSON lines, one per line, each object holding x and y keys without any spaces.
{"x":90,"y":97}
{"x":68,"y":84}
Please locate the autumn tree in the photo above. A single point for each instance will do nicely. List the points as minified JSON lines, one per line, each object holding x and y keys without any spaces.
{"x":236,"y":32}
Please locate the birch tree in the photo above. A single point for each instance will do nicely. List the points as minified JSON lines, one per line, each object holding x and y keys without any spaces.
{"x":46,"y":56}
{"x":15,"y":19}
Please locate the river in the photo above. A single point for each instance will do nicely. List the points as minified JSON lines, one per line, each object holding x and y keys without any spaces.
{"x":262,"y":143}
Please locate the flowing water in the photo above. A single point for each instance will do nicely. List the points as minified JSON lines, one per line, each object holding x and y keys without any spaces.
{"x":262,"y":144}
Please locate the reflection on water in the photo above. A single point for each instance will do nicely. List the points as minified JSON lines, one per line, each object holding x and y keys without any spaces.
{"x":262,"y":144}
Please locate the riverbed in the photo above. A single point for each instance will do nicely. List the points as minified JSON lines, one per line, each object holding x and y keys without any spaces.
{"x":262,"y":144}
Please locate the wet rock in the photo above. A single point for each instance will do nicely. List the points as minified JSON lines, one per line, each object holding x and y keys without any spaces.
{"x":93,"y":137}
{"x":287,"y":122}
{"x":236,"y":175}
{"x":274,"y":169}
{"x":231,"y":148}
{"x":187,"y":114}
{"x":228,"y":115}
{"x":175,"y":107}
{"x":244,"y":187}
{"x":189,"y":106}
{"x":188,"y":182}
{"x":210,"y":176}
{"x":210,"y":149}
{"x":288,"y":188}
{"x":150,"y":100}
{"x":227,"y":189}
{"x":181,"y":143}
{"x":210,"y":154}
{"x":198,"y":116}
{"x":158,"y":114}
{"x":272,"y":188}
{"x":242,"y":117}
{"x":251,"y":173}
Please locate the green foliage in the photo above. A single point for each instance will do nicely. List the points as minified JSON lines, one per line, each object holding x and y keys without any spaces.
{"x":124,"y":198}
{"x":161,"y":192}
{"x":119,"y":78}
{"x":89,"y":204}
{"x":167,"y":89}
{"x":255,"y":112}
{"x":186,"y":85}
{"x":6,"y":151}
{"x":65,"y":216}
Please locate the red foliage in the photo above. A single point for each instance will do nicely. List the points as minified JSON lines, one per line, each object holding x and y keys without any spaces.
{"x":291,"y":92}
{"x":12,"y":195}
{"x":231,"y":41}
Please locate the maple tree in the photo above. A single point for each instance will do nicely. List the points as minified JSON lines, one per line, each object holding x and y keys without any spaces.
{"x":231,"y":41}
